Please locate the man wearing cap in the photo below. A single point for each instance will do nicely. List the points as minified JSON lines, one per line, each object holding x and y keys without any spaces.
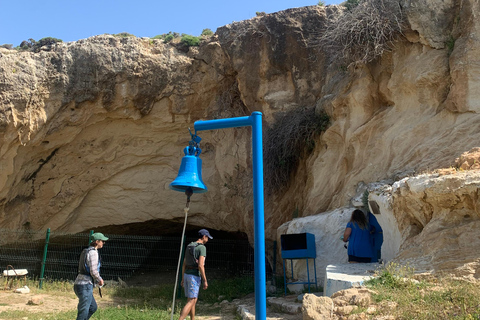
{"x":194,"y":272}
{"x":89,"y":276}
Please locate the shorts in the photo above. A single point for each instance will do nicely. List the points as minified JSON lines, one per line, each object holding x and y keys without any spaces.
{"x":359,"y":259}
{"x":191,"y":284}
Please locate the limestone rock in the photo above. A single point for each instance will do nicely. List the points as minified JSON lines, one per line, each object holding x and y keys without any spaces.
{"x":122,"y":283}
{"x":429,"y":221}
{"x":432,"y":32}
{"x":23,"y":289}
{"x":469,"y":160}
{"x":317,"y":308}
{"x":327,"y":227}
{"x":285,"y":305}
{"x":92,"y":132}
{"x":433,"y":219}
{"x":345,"y":310}
{"x":360,"y":297}
{"x":35,"y":301}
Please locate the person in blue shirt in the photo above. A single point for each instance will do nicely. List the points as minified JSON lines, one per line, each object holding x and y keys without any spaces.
{"x":358,"y":235}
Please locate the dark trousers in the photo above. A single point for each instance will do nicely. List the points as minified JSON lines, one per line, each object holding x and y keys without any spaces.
{"x":86,"y":304}
{"x":359,"y":259}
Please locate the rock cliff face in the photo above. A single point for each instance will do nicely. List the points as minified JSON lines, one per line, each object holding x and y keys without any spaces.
{"x":92,"y":132}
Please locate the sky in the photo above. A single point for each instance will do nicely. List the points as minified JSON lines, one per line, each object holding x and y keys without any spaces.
{"x":71,"y":20}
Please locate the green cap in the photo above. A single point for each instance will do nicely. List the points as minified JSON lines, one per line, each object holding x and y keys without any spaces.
{"x":99,"y":236}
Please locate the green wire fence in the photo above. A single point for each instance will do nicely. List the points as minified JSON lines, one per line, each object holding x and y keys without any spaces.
{"x":54,"y":255}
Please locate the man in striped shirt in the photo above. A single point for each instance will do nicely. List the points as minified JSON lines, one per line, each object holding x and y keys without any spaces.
{"x":89,"y":276}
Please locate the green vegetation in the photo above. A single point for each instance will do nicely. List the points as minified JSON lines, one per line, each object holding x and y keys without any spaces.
{"x":139,"y":303}
{"x":260,"y":13}
{"x":124,"y":35}
{"x":185,"y":39}
{"x":450,"y":44}
{"x":365,"y":200}
{"x":392,"y":276}
{"x":167,"y":37}
{"x":397,"y":294}
{"x":350,"y":4}
{"x":32,"y":45}
{"x":110,"y":313}
{"x":207,"y":32}
{"x":321,"y":3}
{"x":190,"y":41}
{"x":295,"y":213}
{"x":433,"y":298}
{"x":229,"y":289}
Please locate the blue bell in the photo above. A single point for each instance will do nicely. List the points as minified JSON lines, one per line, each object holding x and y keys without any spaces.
{"x":190,"y":173}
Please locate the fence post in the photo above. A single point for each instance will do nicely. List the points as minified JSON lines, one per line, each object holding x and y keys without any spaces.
{"x":44,"y":259}
{"x":274,"y":271}
{"x":90,"y":237}
{"x":179,"y":294}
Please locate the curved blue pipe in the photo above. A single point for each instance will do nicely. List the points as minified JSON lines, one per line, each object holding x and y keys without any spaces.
{"x":255,"y":121}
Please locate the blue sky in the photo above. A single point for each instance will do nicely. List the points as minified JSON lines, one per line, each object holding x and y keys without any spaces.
{"x":71,"y":20}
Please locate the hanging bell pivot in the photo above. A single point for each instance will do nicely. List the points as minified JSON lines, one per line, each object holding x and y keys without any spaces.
{"x":189,"y":179}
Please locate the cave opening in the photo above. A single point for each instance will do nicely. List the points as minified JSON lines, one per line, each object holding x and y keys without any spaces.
{"x":143,"y":253}
{"x":147,"y":252}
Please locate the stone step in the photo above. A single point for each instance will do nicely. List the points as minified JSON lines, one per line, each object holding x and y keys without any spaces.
{"x":286,"y":308}
{"x":348,"y":275}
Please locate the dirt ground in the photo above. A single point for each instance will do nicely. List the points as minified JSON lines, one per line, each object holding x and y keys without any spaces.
{"x":10,"y":301}
{"x":53,"y":303}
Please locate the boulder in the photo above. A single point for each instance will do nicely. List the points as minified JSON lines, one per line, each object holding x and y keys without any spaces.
{"x":317,"y":308}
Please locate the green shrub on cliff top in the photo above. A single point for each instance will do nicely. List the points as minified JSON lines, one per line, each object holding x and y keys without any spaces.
{"x":207,"y":32}
{"x":350,"y":4}
{"x":32,"y":45}
{"x":167,"y":37}
{"x":190,"y":41}
{"x":124,"y":35}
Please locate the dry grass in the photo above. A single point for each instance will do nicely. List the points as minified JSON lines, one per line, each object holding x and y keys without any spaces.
{"x":292,"y":136}
{"x":362,"y":34}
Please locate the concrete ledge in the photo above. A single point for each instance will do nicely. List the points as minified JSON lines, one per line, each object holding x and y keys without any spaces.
{"x":13,"y":273}
{"x":343,"y":276}
{"x":287,"y":304}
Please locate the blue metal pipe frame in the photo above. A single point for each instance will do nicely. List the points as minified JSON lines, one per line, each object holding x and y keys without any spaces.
{"x":300,"y":282}
{"x":255,"y":121}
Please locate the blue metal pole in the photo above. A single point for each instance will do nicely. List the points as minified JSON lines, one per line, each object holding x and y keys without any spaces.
{"x":255,"y":120}
{"x":308,"y":277}
{"x":258,"y":216}
{"x":223,"y":123}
